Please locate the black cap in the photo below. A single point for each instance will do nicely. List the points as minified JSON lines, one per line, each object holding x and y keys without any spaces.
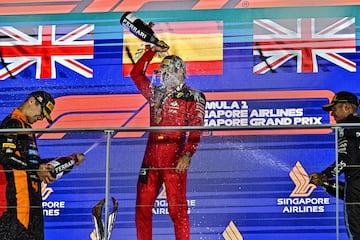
{"x":342,"y":97}
{"x":46,"y":101}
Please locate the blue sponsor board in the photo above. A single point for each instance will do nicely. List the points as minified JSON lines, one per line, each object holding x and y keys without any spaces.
{"x":237,"y":182}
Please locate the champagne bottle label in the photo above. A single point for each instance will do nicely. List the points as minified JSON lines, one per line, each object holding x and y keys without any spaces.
{"x":330,"y":187}
{"x":62,"y":165}
{"x":138,"y":27}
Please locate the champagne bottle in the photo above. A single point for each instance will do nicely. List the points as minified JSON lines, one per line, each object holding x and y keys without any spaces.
{"x":139,"y":28}
{"x":330,"y":187}
{"x":62,"y":166}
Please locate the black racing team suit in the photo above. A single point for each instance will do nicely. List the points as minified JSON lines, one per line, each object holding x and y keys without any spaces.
{"x":349,"y":160}
{"x":21,"y":215}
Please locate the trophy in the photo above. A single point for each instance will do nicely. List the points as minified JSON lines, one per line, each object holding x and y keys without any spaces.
{"x":98,"y":220}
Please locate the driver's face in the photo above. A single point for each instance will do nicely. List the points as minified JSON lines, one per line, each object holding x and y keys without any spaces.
{"x":339,"y":111}
{"x":35,"y":112}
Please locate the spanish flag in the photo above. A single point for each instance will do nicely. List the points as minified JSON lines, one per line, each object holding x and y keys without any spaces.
{"x":199,"y":44}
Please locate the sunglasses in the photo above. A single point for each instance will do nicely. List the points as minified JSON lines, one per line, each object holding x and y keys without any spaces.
{"x":42,"y":108}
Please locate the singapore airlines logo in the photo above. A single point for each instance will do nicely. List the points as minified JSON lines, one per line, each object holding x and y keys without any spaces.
{"x":162,"y":194}
{"x":45,"y":191}
{"x":231,"y":232}
{"x":303,"y":187}
{"x":300,"y":200}
{"x":161,"y":204}
{"x":50,"y":208}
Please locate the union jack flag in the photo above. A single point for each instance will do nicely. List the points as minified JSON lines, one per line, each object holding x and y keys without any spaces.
{"x":306,"y":41}
{"x":44,"y":46}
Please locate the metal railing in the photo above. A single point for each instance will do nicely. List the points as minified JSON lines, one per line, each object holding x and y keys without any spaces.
{"x":109,"y":132}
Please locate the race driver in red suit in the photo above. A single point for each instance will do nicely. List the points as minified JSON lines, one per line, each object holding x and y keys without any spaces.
{"x":168,"y":154}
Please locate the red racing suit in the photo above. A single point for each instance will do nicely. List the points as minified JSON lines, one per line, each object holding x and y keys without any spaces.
{"x":21,"y":215}
{"x":182,"y":106}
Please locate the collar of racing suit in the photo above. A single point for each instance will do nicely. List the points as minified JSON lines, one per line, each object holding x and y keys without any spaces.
{"x":352,"y":118}
{"x":19,"y":115}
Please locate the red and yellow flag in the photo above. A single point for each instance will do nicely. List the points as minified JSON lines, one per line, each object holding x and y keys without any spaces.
{"x":199,"y":44}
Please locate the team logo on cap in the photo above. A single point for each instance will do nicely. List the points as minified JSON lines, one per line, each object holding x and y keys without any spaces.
{"x":50,"y":105}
